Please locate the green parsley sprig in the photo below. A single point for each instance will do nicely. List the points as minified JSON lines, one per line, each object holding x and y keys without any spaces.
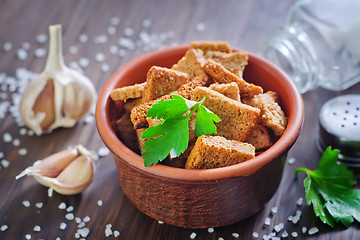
{"x":171,"y":135}
{"x":330,"y":190}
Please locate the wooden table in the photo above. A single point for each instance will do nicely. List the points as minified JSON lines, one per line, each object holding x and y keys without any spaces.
{"x":244,"y":24}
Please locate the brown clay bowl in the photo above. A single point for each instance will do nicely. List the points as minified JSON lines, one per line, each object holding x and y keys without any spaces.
{"x":199,"y":198}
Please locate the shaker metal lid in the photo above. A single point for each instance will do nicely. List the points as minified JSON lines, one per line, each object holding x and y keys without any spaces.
{"x":339,"y":120}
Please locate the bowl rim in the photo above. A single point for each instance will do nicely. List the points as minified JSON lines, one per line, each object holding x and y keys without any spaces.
{"x":242,"y":169}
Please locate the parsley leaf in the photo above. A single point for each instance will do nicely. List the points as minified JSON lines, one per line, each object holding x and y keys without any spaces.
{"x":329,"y":190}
{"x":171,"y":135}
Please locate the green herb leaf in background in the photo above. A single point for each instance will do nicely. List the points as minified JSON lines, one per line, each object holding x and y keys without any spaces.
{"x":171,"y":135}
{"x":330,"y":190}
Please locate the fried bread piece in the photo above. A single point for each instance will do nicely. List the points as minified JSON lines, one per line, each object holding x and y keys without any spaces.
{"x":206,"y":46}
{"x":260,"y":138}
{"x":192,"y":63}
{"x":125,"y":93}
{"x":215,"y":151}
{"x":231,"y":90}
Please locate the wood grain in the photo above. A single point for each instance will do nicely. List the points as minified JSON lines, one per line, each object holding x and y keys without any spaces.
{"x":244,"y":24}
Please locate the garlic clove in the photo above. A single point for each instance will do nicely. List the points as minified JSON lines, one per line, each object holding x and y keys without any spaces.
{"x":67,"y":172}
{"x":59,"y":96}
{"x":52,"y":165}
{"x":75,"y":177}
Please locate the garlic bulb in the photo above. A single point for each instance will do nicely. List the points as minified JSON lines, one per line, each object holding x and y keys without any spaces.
{"x":67,"y":172}
{"x":59,"y":96}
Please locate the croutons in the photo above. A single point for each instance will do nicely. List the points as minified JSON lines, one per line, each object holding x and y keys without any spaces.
{"x":192,"y":63}
{"x":231,"y":90}
{"x":207,"y":46}
{"x":125,"y":93}
{"x":216,"y":151}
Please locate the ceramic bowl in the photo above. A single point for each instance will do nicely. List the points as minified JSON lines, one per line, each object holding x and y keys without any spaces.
{"x":199,"y":198}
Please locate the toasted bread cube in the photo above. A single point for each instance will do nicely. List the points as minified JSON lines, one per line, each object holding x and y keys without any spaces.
{"x":231,"y":90}
{"x":260,"y":138}
{"x":222,"y":75}
{"x":206,"y":46}
{"x":272,"y":115}
{"x":125,"y":130}
{"x":237,"y":119}
{"x":235,"y":62}
{"x":138,"y":113}
{"x":131,"y":103}
{"x":192,"y":63}
{"x":215,"y":151}
{"x":125,"y":93}
{"x":161,"y":81}
{"x":140,"y":140}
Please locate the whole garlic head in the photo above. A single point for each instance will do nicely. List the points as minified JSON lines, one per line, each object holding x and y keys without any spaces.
{"x":59,"y":96}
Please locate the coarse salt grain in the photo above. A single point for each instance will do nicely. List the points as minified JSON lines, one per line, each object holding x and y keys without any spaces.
{"x":7,"y":46}
{"x":84,"y":232}
{"x":81,"y":225}
{"x":27,"y":236}
{"x":70,"y":208}
{"x":83,"y":38}
{"x":69,"y":216}
{"x":303,"y":229}
{"x":299,"y":202}
{"x":267,"y":221}
{"x":99,"y":57}
{"x":193,"y":235}
{"x":291,"y":160}
{"x":73,"y":50}
{"x":294,"y":234}
{"x":108,"y":232}
{"x":100,"y":203}
{"x":279,"y":227}
{"x":255,"y":235}
{"x":113,"y":49}
{"x":4,"y":227}
{"x":31,"y":132}
{"x":7,"y":137}
{"x":116,"y":233}
{"x":235,"y":235}
{"x":22,"y":151}
{"x":37,"y":228}
{"x":160,"y":222}
{"x":40,"y":52}
{"x":146,"y":23}
{"x":101,"y":39}
{"x":200,"y":27}
{"x":63,"y":226}
{"x":86,"y":219}
{"x":21,"y":54}
{"x":39,"y":205}
{"x":103,"y":151}
{"x":274,"y":210}
{"x":26,"y":203}
{"x":26,"y":45}
{"x":284,"y":234}
{"x":105,"y":67}
{"x":58,"y":238}
{"x":41,"y":38}
{"x":62,"y":205}
{"x":313,"y":230}
{"x":5,"y":163}
{"x":78,"y":220}
{"x":128,"y":32}
{"x":84,"y":62}
{"x":16,"y":142}
{"x":114,"y":21}
{"x":111,"y":30}
{"x":210,"y":230}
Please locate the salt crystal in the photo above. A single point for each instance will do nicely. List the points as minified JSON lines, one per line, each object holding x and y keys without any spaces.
{"x":26,"y":203}
{"x":105,"y":67}
{"x":16,"y":142}
{"x":31,"y":132}
{"x":128,"y":32}
{"x":160,"y":222}
{"x":295,"y":219}
{"x":77,"y":235}
{"x":89,"y":118}
{"x":101,"y":39}
{"x":116,"y":233}
{"x":62,"y":205}
{"x":111,"y":30}
{"x":2,"y":154}
{"x":220,"y":238}
{"x":73,"y":50}
{"x":81,"y":225}
{"x":39,"y":205}
{"x":103,"y":151}
{"x":70,"y":208}
{"x":113,"y":49}
{"x":275,"y":238}
{"x":58,"y":238}
{"x":267,"y":221}
{"x":37,"y":228}
{"x":108,"y":232}
{"x":200,"y":27}
{"x":86,"y":219}
{"x":274,"y":210}
{"x":294,"y":234}
{"x":26,"y":45}
{"x":84,"y":62}
{"x":126,"y":43}
{"x":99,"y":57}
{"x":210,"y":230}
{"x":78,"y":220}
{"x":303,"y":229}
{"x":279,"y":227}
{"x":290,"y":218}
{"x":109,"y":225}
{"x":21,"y":54}
{"x":7,"y":46}
{"x":4,"y":228}
{"x":114,"y":21}
{"x":69,"y":216}
{"x":63,"y":226}
{"x":27,"y":236}
{"x":5,"y":163}
{"x":299,"y":202}
{"x":22,"y":151}
{"x":83,"y":38}
{"x":284,"y":234}
{"x":99,"y":203}
{"x":313,"y":230}
{"x":193,"y":235}
{"x":41,"y":38}
{"x":255,"y":235}
{"x":146,"y":23}
{"x":291,"y":160}
{"x":235,"y":235}
{"x":84,"y":232}
{"x":40,"y":52}
{"x":7,"y":137}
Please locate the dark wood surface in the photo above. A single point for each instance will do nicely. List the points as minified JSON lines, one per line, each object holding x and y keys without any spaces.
{"x":244,"y":24}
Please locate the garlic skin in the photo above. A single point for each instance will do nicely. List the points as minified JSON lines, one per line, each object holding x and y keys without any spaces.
{"x":59,"y":96}
{"x":67,"y":172}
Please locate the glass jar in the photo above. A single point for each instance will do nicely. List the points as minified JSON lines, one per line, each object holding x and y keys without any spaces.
{"x":319,"y":45}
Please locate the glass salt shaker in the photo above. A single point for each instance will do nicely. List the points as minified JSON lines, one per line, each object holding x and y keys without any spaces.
{"x":319,"y":45}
